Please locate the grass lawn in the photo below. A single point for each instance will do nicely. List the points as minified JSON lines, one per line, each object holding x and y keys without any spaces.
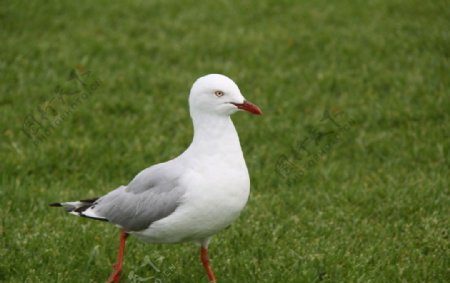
{"x":349,"y":163}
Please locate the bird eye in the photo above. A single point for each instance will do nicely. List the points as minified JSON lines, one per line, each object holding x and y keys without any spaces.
{"x":219,"y":93}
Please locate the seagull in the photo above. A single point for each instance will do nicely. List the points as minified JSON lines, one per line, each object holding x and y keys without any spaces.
{"x":191,"y":197}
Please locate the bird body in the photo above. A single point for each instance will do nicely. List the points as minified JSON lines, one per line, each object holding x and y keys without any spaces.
{"x":193,"y":196}
{"x":217,"y":187}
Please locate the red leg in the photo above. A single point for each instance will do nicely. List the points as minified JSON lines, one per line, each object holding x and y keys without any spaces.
{"x":117,"y":267}
{"x":205,"y":260}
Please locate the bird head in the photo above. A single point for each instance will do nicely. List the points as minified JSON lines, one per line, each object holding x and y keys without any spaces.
{"x":218,"y":94}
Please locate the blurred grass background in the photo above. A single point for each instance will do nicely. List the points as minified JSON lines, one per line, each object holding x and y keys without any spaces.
{"x":365,"y":202}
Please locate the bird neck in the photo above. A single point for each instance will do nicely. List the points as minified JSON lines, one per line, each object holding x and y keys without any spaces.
{"x":214,"y":134}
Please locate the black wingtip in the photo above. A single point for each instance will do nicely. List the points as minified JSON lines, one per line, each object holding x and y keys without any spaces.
{"x":55,"y":204}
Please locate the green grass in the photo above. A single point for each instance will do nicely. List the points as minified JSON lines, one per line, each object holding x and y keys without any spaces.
{"x":365,"y":203}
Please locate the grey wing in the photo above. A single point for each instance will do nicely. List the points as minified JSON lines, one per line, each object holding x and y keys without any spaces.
{"x":152,"y":195}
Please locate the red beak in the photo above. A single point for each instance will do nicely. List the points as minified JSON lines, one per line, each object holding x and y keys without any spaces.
{"x":248,"y":106}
